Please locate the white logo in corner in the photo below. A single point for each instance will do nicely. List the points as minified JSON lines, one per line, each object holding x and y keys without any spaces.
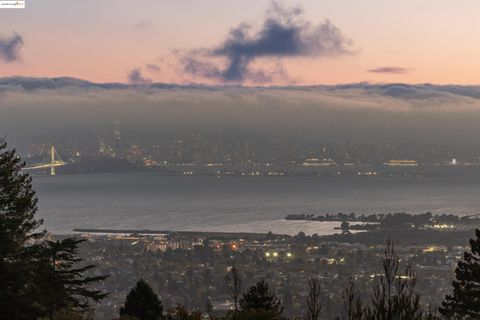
{"x":12,"y":4}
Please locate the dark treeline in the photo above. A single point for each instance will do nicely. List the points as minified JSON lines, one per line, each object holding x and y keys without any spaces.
{"x":391,"y":220}
{"x":43,"y":279}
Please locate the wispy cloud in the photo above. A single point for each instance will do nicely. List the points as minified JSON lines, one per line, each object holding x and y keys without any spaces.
{"x":394,"y":70}
{"x":10,"y":47}
{"x":152,"y":67}
{"x":142,"y":24}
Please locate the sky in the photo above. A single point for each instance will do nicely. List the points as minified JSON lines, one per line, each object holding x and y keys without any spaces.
{"x":251,"y":42}
{"x":330,"y":70}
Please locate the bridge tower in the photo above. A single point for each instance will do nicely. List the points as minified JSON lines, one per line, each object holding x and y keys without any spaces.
{"x":52,"y":163}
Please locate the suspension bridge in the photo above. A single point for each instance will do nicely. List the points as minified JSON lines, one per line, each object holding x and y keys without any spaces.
{"x":54,"y":161}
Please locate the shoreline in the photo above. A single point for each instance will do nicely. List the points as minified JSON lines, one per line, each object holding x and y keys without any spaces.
{"x":193,"y":234}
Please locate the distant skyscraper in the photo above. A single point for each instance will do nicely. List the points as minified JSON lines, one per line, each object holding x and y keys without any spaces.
{"x":116,"y":131}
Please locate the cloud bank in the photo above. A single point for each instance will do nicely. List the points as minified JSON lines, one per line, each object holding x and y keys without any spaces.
{"x":367,"y":113}
{"x":10,"y":47}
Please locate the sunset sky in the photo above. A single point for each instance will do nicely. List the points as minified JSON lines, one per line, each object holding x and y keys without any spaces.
{"x":408,"y":41}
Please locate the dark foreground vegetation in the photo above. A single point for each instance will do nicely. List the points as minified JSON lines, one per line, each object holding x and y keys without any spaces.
{"x":43,"y":279}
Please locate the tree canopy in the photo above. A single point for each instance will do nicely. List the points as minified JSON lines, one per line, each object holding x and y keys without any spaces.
{"x":142,"y":303}
{"x":38,"y":278}
{"x":260,"y":303}
{"x":464,"y":302}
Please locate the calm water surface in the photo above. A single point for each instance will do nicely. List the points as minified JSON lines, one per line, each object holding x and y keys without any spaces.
{"x":250,"y":204}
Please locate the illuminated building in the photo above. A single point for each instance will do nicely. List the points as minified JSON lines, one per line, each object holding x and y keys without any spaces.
{"x":315,"y":162}
{"x":402,"y":163}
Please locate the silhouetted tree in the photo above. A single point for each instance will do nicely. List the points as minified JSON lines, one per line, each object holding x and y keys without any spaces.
{"x":142,"y":303}
{"x":464,"y":302}
{"x":345,"y":227}
{"x":63,"y":282}
{"x":352,"y":302}
{"x":394,"y":297}
{"x":18,"y":253}
{"x":314,"y":299}
{"x":260,"y":303}
{"x":233,"y":281}
{"x":33,"y":282}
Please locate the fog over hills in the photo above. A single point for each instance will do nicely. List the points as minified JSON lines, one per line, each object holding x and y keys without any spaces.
{"x":362,"y":112}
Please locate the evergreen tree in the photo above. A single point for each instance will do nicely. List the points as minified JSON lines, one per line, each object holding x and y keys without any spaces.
{"x":259,"y":303}
{"x":142,"y":304}
{"x":30,"y":279}
{"x":464,"y":303}
{"x":18,"y":226}
{"x":63,"y":282}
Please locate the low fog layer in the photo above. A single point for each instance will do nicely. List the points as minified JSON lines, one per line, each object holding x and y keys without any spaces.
{"x":394,"y":113}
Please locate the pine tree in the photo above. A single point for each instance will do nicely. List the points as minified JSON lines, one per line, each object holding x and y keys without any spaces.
{"x":18,"y":226}
{"x":259,"y":303}
{"x":29,"y":277}
{"x":63,"y":281}
{"x":142,"y":304}
{"x":464,"y":303}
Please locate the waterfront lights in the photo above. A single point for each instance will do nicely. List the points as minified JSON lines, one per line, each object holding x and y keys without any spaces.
{"x":276,"y":254}
{"x":443,"y":226}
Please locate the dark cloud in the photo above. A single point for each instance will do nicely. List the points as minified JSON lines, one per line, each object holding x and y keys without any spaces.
{"x":395,"y":70}
{"x":10,"y":47}
{"x":284,"y":33}
{"x":135,"y":76}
